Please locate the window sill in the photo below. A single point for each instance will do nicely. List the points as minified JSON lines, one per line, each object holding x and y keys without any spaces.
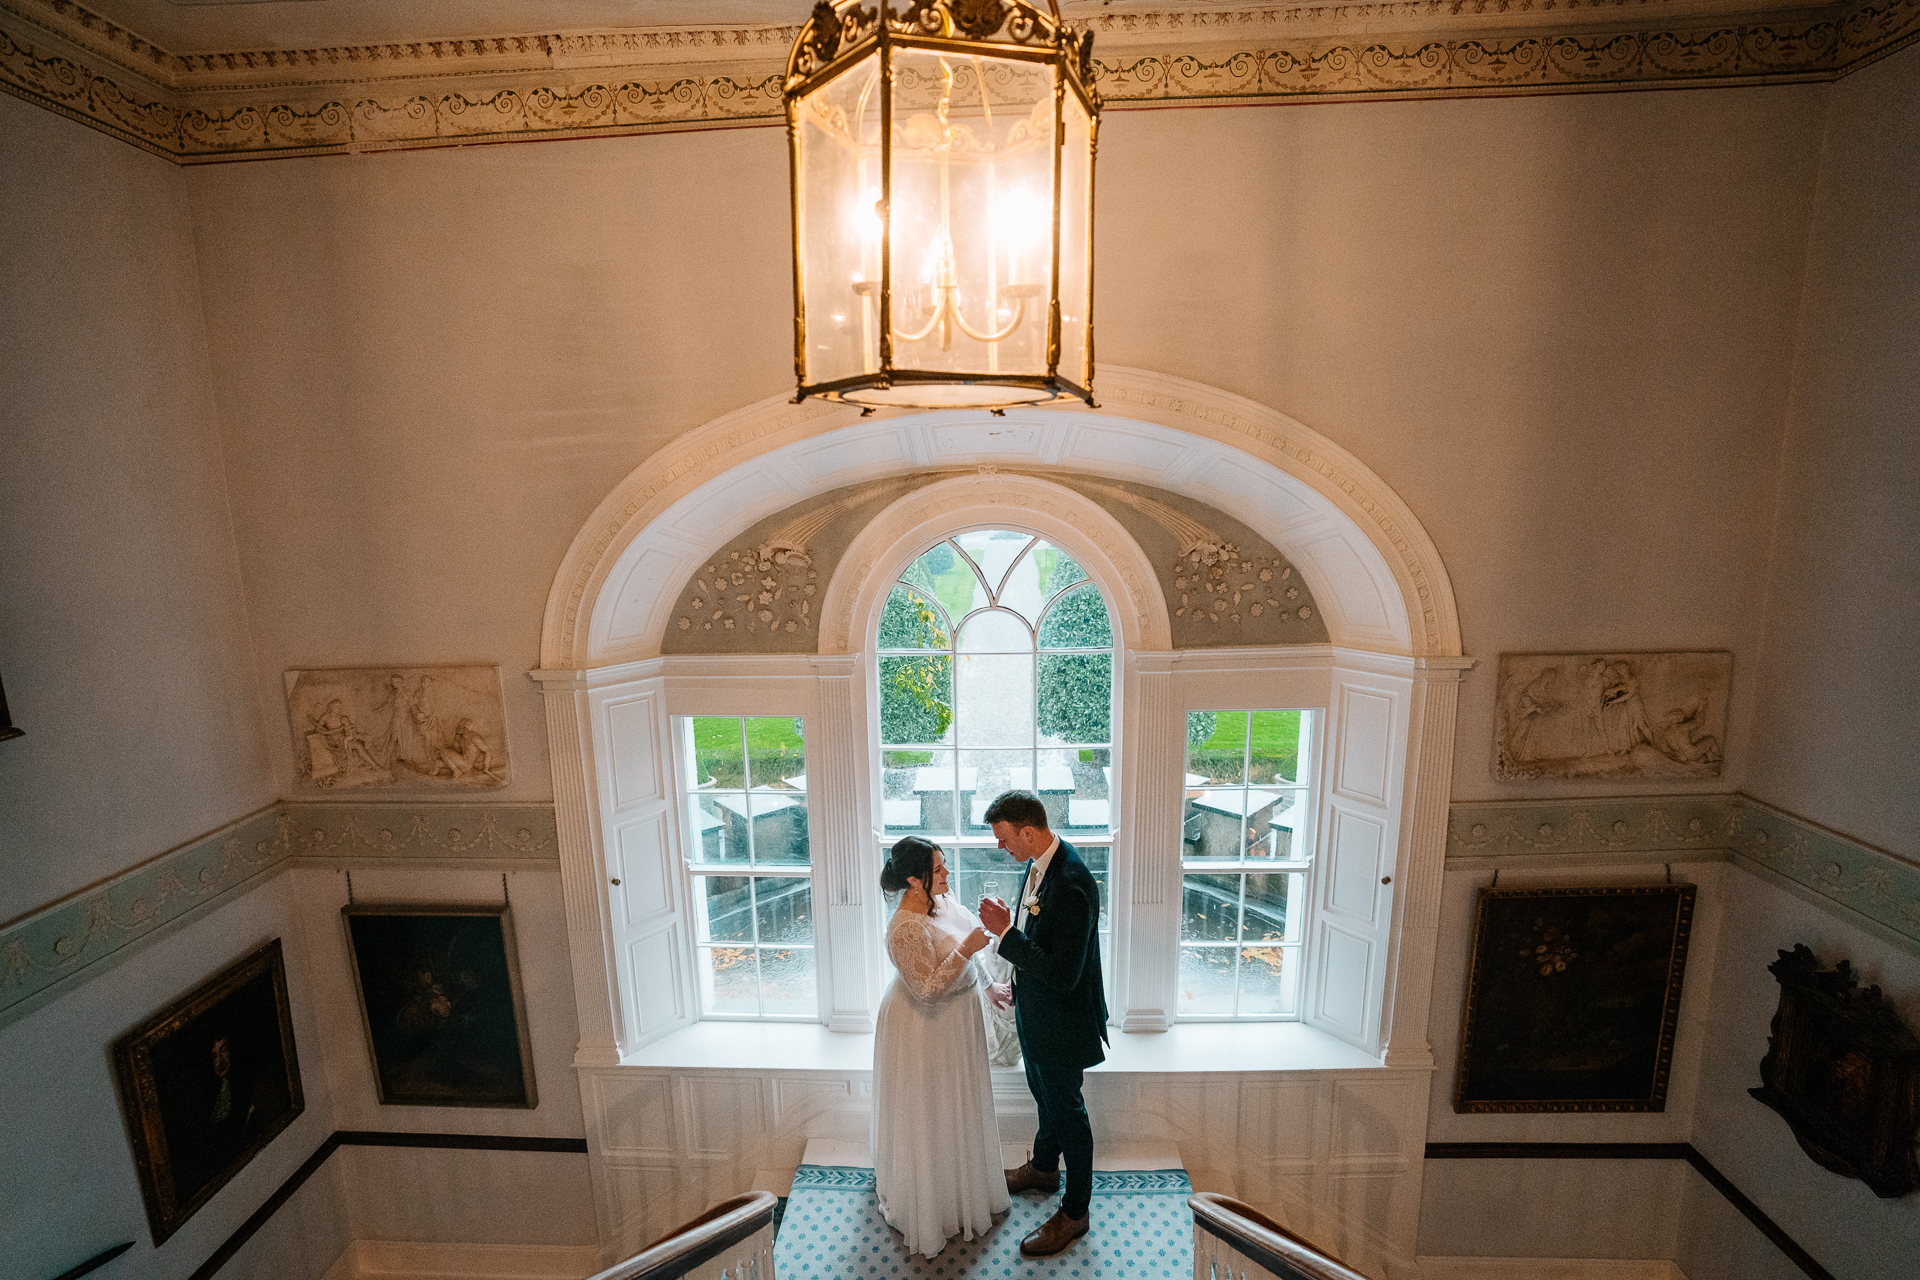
{"x":1188,"y":1048}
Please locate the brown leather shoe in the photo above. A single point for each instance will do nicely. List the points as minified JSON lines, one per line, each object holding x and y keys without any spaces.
{"x":1054,"y":1235}
{"x":1028,"y":1178}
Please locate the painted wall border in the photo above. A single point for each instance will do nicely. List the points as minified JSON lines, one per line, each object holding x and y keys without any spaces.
{"x":1864,"y":886}
{"x":45,"y":952}
{"x":209,"y":107}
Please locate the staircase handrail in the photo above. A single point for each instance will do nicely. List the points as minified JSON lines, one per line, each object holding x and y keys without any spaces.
{"x":1260,"y":1239}
{"x":691,"y":1243}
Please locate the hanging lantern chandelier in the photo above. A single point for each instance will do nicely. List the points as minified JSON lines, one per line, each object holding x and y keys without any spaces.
{"x":942,"y":204}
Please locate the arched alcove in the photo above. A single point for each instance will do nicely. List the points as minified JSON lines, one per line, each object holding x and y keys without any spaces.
{"x":1386,"y":682}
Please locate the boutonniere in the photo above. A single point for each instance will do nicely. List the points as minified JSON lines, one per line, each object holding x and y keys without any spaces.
{"x":1033,"y":904}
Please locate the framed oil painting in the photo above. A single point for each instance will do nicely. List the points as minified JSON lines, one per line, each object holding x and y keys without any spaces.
{"x":207,"y":1083}
{"x":1572,"y":999}
{"x":440,"y":997}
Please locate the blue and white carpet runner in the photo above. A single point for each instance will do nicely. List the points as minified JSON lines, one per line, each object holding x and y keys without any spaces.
{"x":1141,"y":1230}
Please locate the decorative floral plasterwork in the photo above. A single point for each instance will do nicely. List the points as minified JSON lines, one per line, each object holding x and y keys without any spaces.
{"x":202,"y":107}
{"x":51,"y":945}
{"x":768,"y":586}
{"x":1872,"y":882}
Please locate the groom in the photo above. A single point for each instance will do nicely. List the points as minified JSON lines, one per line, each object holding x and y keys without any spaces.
{"x":1059,"y":1006}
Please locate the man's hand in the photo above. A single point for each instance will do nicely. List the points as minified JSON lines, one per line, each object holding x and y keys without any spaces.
{"x":1000,"y":995}
{"x":994,"y":914}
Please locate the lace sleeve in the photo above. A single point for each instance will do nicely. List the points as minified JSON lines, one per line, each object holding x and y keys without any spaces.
{"x":928,"y":962}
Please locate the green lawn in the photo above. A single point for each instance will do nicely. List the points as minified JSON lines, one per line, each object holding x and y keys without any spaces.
{"x":1275,"y":733}
{"x":764,"y":733}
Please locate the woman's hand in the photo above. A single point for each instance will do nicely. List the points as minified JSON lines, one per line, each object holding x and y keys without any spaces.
{"x":977,"y":941}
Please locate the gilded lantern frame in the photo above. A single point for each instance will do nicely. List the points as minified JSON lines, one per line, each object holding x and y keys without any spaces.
{"x":835,"y":39}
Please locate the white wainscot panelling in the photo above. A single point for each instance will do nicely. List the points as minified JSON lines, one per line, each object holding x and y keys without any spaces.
{"x":1365,"y":740}
{"x":646,"y":882}
{"x":1340,"y":1002}
{"x":797,"y":1100}
{"x":634,"y":749}
{"x":656,"y":985}
{"x":1277,"y":1122}
{"x":1355,"y":849}
{"x":636,"y":1114}
{"x":723,"y":1113}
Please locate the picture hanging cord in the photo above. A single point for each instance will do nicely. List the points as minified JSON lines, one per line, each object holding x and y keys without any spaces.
{"x":505,"y":901}
{"x":1494,"y":885}
{"x":1669,"y":873}
{"x":349,"y":887}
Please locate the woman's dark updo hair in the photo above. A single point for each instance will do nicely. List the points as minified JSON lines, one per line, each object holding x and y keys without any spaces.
{"x":910,"y":856}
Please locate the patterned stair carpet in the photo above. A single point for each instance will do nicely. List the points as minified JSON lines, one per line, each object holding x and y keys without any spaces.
{"x":1142,"y":1230}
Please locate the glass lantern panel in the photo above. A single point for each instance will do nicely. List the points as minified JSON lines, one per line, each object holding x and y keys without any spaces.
{"x":1076,"y":241}
{"x":971,"y":213}
{"x":837,"y":230}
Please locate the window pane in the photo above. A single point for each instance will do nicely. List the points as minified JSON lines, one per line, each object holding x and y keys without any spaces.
{"x":1210,"y":908}
{"x":916,"y":699}
{"x":723,"y":909}
{"x":995,"y":631}
{"x":1276,"y":746}
{"x":1099,"y":858}
{"x":775,"y":749}
{"x":1077,"y":620}
{"x":787,"y":982}
{"x":717,"y":821}
{"x":1073,"y":785}
{"x":1216,"y":748}
{"x":784,"y":907}
{"x":995,"y":701}
{"x":779,"y":825}
{"x":728,"y":980}
{"x":1265,"y":918}
{"x":1266,"y":980}
{"x":977,"y":872}
{"x":1206,"y":982}
{"x":1057,"y":570}
{"x":717,"y":760}
{"x":1021,"y":591}
{"x":993,"y":550}
{"x":1212,"y":823}
{"x":985,"y":774}
{"x":1076,"y":697}
{"x":1275,"y":836}
{"x":949,"y":576}
{"x":912,"y":620}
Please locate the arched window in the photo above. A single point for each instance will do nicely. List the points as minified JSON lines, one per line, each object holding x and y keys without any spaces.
{"x":995,"y":673}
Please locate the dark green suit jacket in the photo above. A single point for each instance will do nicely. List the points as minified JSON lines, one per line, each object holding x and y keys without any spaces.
{"x":1059,"y":1001}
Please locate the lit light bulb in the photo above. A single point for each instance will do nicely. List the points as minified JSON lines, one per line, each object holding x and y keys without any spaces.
{"x":1020,"y":218}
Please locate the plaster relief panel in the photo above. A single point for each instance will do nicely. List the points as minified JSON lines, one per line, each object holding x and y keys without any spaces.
{"x":1611,"y":715}
{"x":420,"y":728}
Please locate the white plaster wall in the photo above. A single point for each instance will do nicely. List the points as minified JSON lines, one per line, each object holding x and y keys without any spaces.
{"x":123,"y":643}
{"x":68,"y":1188}
{"x":468,"y":1197}
{"x":1838,"y":680}
{"x":1559,"y":326}
{"x":1849,"y":1230}
{"x":1521,"y":1208}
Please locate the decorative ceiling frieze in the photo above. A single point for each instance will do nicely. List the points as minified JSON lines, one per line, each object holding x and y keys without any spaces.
{"x":197,"y":108}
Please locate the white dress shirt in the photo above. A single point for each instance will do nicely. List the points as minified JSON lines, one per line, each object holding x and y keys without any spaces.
{"x":1036,"y":872}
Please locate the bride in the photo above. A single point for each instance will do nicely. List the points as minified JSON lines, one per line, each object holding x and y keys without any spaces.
{"x":936,"y":1144}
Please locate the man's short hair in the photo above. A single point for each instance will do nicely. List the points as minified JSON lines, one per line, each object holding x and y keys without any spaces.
{"x":1021,"y":808}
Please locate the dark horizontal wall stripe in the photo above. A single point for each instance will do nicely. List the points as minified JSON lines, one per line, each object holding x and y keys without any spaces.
{"x":1638,"y":1151}
{"x":373,"y":1138}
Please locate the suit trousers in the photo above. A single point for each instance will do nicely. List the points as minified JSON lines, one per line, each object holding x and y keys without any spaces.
{"x":1065,"y":1132}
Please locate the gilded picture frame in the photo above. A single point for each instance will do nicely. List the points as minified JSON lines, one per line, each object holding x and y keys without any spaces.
{"x":1573,"y":998}
{"x":207,"y":1083}
{"x":442,"y":1004}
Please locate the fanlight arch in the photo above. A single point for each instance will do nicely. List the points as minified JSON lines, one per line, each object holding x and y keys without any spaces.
{"x":1375,"y":574}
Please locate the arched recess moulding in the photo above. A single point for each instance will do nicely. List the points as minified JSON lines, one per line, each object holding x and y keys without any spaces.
{"x":1387,"y":680}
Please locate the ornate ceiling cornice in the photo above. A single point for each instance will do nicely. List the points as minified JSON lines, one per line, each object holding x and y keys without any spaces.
{"x":206,"y":107}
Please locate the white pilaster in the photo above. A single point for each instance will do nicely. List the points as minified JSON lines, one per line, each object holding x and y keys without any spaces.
{"x":835,"y":758}
{"x":1153,"y":768}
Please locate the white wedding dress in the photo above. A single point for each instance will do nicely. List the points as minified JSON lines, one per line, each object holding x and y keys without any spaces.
{"x":936,"y":1144}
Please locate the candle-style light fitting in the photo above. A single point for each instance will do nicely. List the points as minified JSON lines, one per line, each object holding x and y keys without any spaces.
{"x":942,"y":204}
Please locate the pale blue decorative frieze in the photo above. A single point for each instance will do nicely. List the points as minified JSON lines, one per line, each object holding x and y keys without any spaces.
{"x":75,"y":936}
{"x":1874,"y":883}
{"x":69,"y":937}
{"x":376,"y":833}
{"x":1879,"y":885}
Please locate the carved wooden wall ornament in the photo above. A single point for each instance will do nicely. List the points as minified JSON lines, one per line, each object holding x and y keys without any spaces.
{"x":1844,"y":1072}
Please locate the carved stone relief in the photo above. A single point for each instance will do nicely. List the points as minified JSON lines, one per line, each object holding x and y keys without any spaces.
{"x":1611,"y":715}
{"x":438,"y":728}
